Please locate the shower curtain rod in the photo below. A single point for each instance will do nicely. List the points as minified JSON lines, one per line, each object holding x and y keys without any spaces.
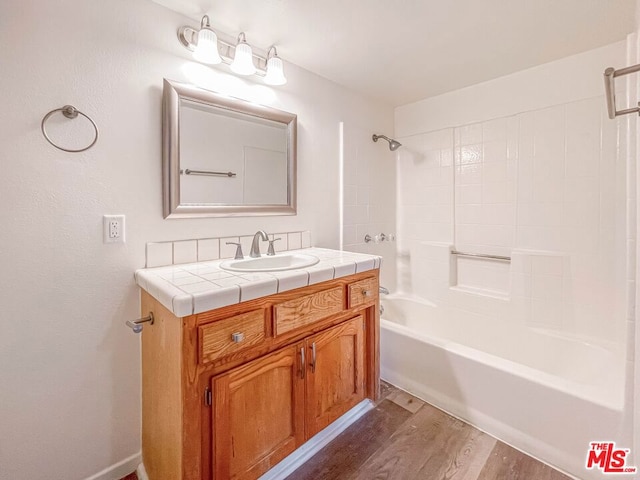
{"x":610,"y":88}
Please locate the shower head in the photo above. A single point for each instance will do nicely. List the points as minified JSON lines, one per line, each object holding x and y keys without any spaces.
{"x":393,"y":144}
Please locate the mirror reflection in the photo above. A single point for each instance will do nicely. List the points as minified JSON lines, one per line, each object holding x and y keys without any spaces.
{"x":228,"y":158}
{"x":225,"y":156}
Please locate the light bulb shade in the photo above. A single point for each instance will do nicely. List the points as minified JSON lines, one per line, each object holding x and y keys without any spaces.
{"x":207,"y":47}
{"x":275,"y":72}
{"x":243,"y":60}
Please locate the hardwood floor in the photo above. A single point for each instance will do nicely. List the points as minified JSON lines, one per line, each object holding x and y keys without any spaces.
{"x":404,"y":438}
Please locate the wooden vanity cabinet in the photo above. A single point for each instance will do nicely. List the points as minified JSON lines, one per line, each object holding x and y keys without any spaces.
{"x":335,"y":373}
{"x":229,"y":393}
{"x":258,"y":414}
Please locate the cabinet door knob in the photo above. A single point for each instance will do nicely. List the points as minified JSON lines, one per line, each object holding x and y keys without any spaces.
{"x":237,"y":337}
{"x":313,"y":357}
{"x":303,"y":366}
{"x":367,"y":293}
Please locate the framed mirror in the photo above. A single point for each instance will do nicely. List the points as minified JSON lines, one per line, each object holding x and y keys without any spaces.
{"x":224,"y":156}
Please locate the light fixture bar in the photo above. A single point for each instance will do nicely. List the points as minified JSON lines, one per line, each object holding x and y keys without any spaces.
{"x":188,"y":38}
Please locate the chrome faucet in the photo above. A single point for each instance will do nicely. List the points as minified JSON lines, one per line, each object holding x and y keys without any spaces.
{"x":384,"y":291}
{"x":255,"y":246}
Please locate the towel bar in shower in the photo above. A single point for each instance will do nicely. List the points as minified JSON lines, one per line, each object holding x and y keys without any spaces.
{"x":481,"y":255}
{"x":610,"y":89}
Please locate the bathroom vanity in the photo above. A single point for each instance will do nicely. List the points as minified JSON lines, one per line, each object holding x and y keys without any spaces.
{"x":229,"y":392}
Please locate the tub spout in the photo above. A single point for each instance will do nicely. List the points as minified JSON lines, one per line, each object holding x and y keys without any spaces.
{"x":384,"y":291}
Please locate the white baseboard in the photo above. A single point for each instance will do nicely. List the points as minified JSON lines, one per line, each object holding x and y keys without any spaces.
{"x":307,"y":450}
{"x":119,"y":470}
{"x":312,"y":446}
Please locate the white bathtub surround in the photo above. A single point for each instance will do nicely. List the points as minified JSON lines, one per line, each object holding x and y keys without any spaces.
{"x":490,"y":373}
{"x":369,"y":195}
{"x":197,"y":287}
{"x":533,"y":350}
{"x":159,"y":254}
{"x":546,"y":183}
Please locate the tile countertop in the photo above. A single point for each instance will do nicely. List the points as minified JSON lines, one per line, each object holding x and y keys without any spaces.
{"x":197,"y":287}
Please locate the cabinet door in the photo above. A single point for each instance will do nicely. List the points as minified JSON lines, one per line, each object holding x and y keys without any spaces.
{"x":335,"y":373}
{"x":258,"y":414}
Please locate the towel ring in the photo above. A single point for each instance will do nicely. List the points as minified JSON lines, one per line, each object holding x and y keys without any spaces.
{"x":70,"y":112}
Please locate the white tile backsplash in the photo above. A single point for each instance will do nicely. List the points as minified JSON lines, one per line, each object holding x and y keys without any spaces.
{"x":227,"y":250}
{"x":206,"y":249}
{"x":246,"y":241}
{"x":282,"y":244}
{"x":294,"y":240}
{"x":185,"y":251}
{"x":306,"y":239}
{"x":159,"y":254}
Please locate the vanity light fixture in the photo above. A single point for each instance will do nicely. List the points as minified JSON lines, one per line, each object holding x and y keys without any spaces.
{"x":208,"y":48}
{"x":243,"y":59}
{"x":275,"y":70}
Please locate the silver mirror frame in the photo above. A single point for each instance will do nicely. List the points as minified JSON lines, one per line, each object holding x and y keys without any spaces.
{"x":173,"y":92}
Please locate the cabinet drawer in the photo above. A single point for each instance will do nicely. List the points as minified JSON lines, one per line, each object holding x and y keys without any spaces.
{"x":308,"y":309}
{"x":231,"y":335}
{"x":364,"y":292}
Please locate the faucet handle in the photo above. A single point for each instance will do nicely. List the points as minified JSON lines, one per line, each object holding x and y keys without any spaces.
{"x":271,"y":250}
{"x":239,"y":255}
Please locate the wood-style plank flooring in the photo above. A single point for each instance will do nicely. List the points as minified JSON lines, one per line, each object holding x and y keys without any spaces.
{"x":404,"y":438}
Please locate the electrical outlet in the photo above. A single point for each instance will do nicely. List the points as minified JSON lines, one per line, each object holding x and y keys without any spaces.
{"x":113,"y":228}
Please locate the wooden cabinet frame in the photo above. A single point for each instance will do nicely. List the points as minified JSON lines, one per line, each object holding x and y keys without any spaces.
{"x":176,"y":420}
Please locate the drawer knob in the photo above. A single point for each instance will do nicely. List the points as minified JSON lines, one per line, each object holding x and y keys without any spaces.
{"x":367,"y":293}
{"x":237,"y":337}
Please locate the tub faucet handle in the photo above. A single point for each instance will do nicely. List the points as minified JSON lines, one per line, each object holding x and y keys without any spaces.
{"x":384,"y":291}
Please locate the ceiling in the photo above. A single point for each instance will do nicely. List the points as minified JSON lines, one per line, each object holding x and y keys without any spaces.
{"x":400,"y":51}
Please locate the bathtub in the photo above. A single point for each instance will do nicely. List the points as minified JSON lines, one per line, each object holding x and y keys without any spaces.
{"x":492,"y":374}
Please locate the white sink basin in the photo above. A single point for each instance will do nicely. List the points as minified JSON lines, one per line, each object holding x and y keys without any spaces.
{"x":275,"y":263}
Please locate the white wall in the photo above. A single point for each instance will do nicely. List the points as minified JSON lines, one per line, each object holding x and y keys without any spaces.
{"x":69,"y":403}
{"x":566,"y":80}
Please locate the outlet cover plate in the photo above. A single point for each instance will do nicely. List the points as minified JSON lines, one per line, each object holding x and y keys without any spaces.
{"x":113,"y":229}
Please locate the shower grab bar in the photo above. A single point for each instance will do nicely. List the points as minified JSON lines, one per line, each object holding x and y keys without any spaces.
{"x":610,"y":90}
{"x":481,"y":255}
{"x":208,"y":173}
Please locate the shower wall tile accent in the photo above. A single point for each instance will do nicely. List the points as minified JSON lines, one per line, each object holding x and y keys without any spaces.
{"x":159,"y":254}
{"x":485,"y":277}
{"x":485,"y":181}
{"x":425,"y":187}
{"x":545,"y":187}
